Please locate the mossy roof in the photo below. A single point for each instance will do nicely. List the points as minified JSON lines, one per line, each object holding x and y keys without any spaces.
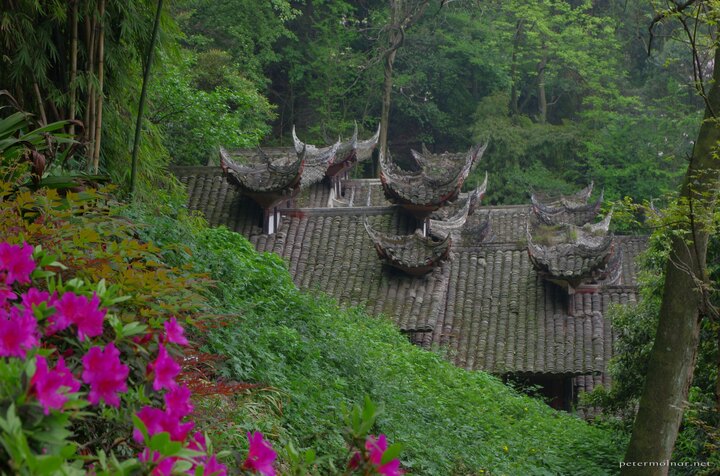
{"x":486,"y":304}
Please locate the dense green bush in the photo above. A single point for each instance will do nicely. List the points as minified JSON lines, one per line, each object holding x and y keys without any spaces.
{"x":699,"y":438}
{"x":313,"y":359}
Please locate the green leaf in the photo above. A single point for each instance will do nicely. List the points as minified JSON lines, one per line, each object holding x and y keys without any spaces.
{"x":47,"y":464}
{"x":392,"y":452}
{"x":138,"y":423}
{"x":163,"y":445}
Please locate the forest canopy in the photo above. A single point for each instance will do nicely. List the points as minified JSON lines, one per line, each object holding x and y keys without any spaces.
{"x":565,"y":91}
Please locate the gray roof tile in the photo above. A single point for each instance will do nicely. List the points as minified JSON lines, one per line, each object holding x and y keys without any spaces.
{"x":486,"y":303}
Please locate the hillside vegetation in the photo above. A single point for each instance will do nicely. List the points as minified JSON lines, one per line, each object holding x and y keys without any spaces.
{"x":313,"y":360}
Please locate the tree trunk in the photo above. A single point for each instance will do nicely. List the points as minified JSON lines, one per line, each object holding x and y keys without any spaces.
{"x":514,"y":66}
{"x":542,"y":99}
{"x":717,"y":376}
{"x":41,"y":107}
{"x":395,"y":41}
{"x":402,"y":15}
{"x":672,"y":359}
{"x":100,"y":96}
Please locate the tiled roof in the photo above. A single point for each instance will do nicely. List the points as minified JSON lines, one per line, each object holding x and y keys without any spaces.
{"x":502,"y":317}
{"x":439,"y":179}
{"x":264,"y":173}
{"x":564,"y":210}
{"x":415,"y":254}
{"x":362,"y":193}
{"x":331,"y":252}
{"x":486,"y":304}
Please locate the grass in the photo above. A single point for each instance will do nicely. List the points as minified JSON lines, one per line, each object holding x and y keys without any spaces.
{"x":313,"y":360}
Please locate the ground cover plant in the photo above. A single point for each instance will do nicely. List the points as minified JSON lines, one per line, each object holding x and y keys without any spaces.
{"x":312,"y":360}
{"x":91,"y":368}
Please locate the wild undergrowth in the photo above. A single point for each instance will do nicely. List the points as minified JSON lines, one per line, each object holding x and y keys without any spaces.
{"x":310,"y":360}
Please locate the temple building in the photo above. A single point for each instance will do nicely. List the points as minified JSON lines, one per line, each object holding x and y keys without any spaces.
{"x":520,"y":291}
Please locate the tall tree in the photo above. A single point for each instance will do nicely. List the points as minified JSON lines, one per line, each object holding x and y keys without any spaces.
{"x":684,"y":301}
{"x":403,"y":14}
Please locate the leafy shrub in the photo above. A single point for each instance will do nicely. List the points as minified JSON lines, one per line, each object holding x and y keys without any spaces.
{"x":636,"y":326}
{"x":94,"y":242}
{"x":312,"y":360}
{"x":48,"y":424}
{"x":201,"y":102}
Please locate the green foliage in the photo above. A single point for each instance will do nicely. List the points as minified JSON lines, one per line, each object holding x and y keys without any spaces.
{"x":640,"y":151}
{"x":313,"y":360}
{"x":636,"y":326}
{"x":201,"y":102}
{"x":326,"y":76}
{"x":95,"y":244}
{"x":522,"y":155}
{"x":246,"y":29}
{"x":36,"y":44}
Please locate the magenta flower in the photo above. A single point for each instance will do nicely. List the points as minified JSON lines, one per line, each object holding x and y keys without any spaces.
{"x":6,"y":294}
{"x":105,"y":373}
{"x":177,"y":401}
{"x":198,"y":443}
{"x":214,"y":468}
{"x":376,"y":448}
{"x":52,"y":386}
{"x":163,"y":466}
{"x":174,"y":332}
{"x":165,"y":369}
{"x":34,"y":297}
{"x":154,"y":420}
{"x":16,"y":262}
{"x":260,"y":455}
{"x":158,"y":421}
{"x":18,"y":332}
{"x":79,"y":310}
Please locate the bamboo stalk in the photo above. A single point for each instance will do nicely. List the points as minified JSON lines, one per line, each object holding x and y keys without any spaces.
{"x":143,"y":92}
{"x":99,"y":107}
{"x":41,"y":108}
{"x":73,"y":64}
{"x":90,"y":108}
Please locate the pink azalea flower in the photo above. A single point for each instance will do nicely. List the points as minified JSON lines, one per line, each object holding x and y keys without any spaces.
{"x":154,"y":420}
{"x":143,"y":339}
{"x":52,"y":386}
{"x":177,"y":401}
{"x":18,"y":332}
{"x":391,"y":468}
{"x":376,"y":448}
{"x":79,"y":310}
{"x":174,"y":332}
{"x":158,"y":421}
{"x":34,"y":297}
{"x":165,"y":369}
{"x":198,"y":443}
{"x":16,"y":262}
{"x":164,"y":465}
{"x":6,"y":294}
{"x":214,"y":468}
{"x":260,"y":455}
{"x":105,"y":373}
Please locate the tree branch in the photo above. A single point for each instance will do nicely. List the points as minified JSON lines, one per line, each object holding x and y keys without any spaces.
{"x":663,"y":15}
